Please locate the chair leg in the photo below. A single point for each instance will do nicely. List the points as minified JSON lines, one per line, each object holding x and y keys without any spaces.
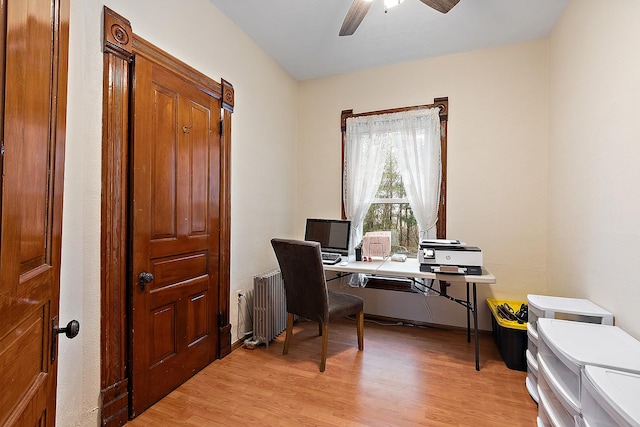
{"x":287,"y":339}
{"x":360,"y":329}
{"x":323,"y":353}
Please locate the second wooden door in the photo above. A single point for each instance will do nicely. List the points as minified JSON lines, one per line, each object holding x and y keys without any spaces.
{"x":175,"y":231}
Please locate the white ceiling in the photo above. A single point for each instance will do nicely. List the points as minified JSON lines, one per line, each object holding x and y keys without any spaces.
{"x":302,"y":35}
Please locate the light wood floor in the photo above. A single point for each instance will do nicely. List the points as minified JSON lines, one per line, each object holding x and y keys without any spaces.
{"x":406,"y":376}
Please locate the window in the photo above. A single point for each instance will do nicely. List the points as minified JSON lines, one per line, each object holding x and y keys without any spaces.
{"x":390,"y":210}
{"x":390,"y":207}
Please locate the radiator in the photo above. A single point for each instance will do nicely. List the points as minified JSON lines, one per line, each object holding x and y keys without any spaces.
{"x":269,"y":307}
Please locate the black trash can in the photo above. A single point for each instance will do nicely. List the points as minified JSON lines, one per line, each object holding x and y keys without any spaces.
{"x":509,"y":335}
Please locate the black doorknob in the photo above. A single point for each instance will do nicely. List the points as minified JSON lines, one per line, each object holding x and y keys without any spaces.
{"x":144,"y":278}
{"x":71,"y":330}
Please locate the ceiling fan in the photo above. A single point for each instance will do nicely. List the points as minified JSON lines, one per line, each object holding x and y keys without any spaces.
{"x":359,"y":9}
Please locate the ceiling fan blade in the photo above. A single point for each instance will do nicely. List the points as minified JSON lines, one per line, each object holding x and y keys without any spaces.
{"x":355,"y":15}
{"x":443,"y":6}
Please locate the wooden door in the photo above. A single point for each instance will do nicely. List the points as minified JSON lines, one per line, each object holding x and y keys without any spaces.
{"x":33,"y":82}
{"x":176,"y":226}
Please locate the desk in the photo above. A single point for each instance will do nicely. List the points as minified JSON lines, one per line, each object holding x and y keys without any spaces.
{"x":410,"y":269}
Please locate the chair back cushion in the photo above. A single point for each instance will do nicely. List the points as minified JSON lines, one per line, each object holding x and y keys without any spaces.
{"x":304,"y":280}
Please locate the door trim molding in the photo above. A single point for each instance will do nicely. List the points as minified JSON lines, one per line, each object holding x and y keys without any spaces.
{"x":120,"y":47}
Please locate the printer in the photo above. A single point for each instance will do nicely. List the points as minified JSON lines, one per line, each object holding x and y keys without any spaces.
{"x":449,"y":256}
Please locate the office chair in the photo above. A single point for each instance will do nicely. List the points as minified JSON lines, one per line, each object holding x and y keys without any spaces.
{"x":307,"y":294}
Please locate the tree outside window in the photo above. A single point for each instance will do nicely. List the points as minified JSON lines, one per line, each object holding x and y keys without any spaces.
{"x":390,"y":211}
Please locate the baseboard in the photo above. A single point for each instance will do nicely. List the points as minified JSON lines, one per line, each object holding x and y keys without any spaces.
{"x":236,"y":345}
{"x":115,"y":404}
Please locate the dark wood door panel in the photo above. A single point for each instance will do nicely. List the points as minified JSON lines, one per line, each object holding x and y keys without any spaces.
{"x":164,"y":377}
{"x":163,"y":158}
{"x":198,"y":325}
{"x":31,"y":294}
{"x":177,"y":291}
{"x":180,"y":335}
{"x":198,"y":150}
{"x":178,"y":318}
{"x":171,"y":270}
{"x":162,"y":333}
{"x":23,"y":359}
{"x":180,"y":245}
{"x":208,"y":221}
{"x":181,"y":158}
{"x":176,"y":238}
{"x":34,"y":42}
{"x":28,"y":120}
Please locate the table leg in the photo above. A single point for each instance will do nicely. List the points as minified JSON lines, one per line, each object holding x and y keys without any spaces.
{"x":475,"y":325}
{"x":468,"y":319}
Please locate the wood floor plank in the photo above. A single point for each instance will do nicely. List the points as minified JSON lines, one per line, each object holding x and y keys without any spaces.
{"x":406,"y":376}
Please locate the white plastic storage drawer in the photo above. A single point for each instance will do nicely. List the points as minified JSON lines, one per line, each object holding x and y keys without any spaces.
{"x":565,"y":347}
{"x":610,"y":397}
{"x":532,"y":362}
{"x":556,"y":409}
{"x":532,"y":339}
{"x":577,"y":309}
{"x":532,"y":376}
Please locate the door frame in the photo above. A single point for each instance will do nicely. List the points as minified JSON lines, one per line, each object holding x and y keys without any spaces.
{"x":120,"y":47}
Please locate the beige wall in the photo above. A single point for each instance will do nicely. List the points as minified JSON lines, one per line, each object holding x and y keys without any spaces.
{"x":263,"y":162}
{"x":594,"y":157}
{"x":497,"y":154}
{"x":543,"y":148}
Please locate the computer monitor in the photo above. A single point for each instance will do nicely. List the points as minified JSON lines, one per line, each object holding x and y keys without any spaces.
{"x":332,"y":234}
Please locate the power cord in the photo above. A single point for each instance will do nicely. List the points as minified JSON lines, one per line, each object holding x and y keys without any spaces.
{"x":241,"y":319}
{"x":398,"y":323}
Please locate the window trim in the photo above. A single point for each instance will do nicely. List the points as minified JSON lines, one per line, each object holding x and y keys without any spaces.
{"x":443,"y":105}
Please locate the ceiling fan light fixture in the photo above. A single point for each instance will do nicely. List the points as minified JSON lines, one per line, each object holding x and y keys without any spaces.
{"x":391,"y":3}
{"x":359,"y":9}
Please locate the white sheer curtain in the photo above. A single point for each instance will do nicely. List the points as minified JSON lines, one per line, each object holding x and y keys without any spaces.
{"x":364,"y":154}
{"x":417,"y":151}
{"x":414,"y":136}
